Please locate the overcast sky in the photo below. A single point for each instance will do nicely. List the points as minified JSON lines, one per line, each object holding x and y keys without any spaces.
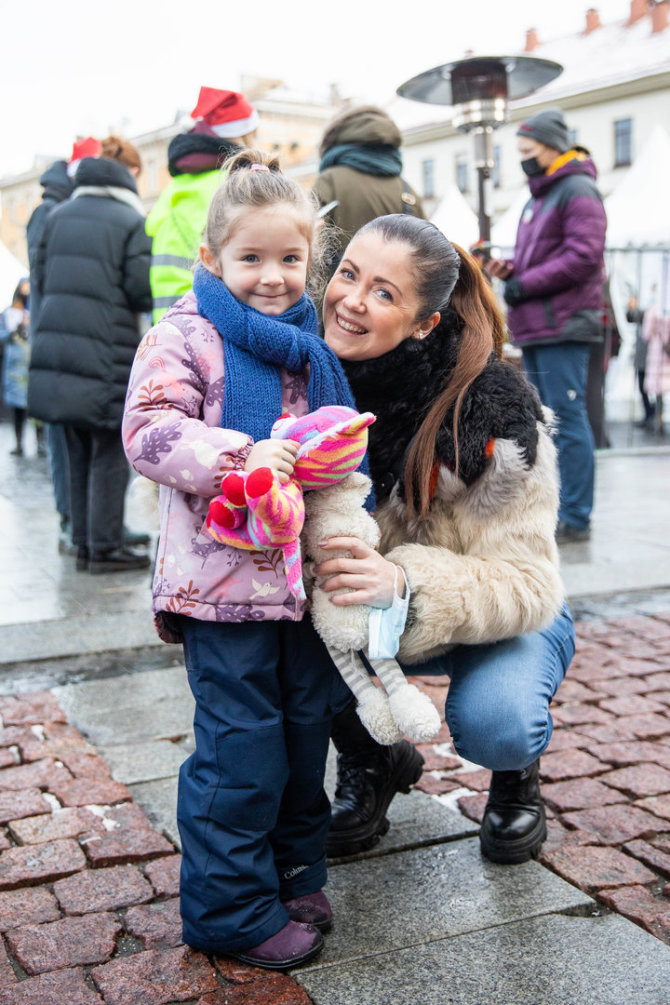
{"x":87,"y":68}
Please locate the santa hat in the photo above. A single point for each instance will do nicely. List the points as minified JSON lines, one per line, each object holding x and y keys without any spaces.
{"x":86,"y":147}
{"x":227,"y":113}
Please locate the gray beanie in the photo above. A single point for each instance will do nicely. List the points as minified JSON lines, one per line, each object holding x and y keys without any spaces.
{"x":547,"y":127}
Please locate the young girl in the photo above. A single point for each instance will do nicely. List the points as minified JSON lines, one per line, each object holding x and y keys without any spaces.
{"x":207,"y":384}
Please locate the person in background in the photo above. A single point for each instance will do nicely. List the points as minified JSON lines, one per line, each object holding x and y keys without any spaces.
{"x":553,"y":287}
{"x":92,"y":272}
{"x":225,"y":122}
{"x":636,"y":316}
{"x":233,"y":354}
{"x":57,"y":182}
{"x":656,"y":334}
{"x":360,"y":173}
{"x":15,"y":360}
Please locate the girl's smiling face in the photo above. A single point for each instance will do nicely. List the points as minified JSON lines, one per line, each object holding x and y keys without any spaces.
{"x":264,"y":262}
{"x":371,"y":303}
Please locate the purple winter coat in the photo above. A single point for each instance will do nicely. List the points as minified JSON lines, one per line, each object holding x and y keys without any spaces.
{"x":558,"y":257}
{"x":172,"y":435}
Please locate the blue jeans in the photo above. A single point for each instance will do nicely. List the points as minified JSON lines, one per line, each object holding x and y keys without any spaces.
{"x":59,"y":468}
{"x":252,"y":811}
{"x":559,"y":373}
{"x":498,"y":701}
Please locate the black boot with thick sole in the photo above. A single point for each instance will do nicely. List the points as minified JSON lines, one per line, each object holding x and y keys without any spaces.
{"x":368,"y":777}
{"x":514,"y":824}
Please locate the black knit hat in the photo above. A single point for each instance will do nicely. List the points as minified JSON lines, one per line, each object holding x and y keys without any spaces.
{"x":547,"y":127}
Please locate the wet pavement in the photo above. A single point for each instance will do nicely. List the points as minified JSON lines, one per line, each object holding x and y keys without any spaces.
{"x":97,"y":718}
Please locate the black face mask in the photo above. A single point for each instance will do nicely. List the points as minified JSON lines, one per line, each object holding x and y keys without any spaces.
{"x":532,"y":167}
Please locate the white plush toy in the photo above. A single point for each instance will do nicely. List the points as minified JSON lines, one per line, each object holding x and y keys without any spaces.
{"x":399,"y":708}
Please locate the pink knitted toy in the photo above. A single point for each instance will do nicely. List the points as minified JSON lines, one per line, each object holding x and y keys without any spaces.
{"x":255,"y":511}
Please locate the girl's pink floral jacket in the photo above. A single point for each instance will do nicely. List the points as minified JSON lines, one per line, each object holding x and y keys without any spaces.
{"x":172,"y":435}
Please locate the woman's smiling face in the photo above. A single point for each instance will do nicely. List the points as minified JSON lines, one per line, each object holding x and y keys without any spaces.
{"x":371,"y":304}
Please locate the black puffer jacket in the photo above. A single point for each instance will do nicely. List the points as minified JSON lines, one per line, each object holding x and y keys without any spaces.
{"x":57,"y":187}
{"x":92,"y":272}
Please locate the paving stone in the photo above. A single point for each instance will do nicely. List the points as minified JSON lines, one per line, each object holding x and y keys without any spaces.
{"x":438,"y":762}
{"x":638,"y":904}
{"x":68,"y":823}
{"x":631,"y":704}
{"x":640,"y":780}
{"x":615,"y":824}
{"x":164,"y":875}
{"x":576,"y":713}
{"x":623,"y":753}
{"x":663,"y":696}
{"x":89,"y":791}
{"x":30,"y":906}
{"x":658,"y":681}
{"x":643,"y":727}
{"x":40,"y":863}
{"x":146,"y":761}
{"x":658,"y":805}
{"x":592,"y":868}
{"x":477,"y":780}
{"x":7,"y":976}
{"x":59,"y":740}
{"x":580,"y":794}
{"x":619,"y":686}
{"x":473,"y":806}
{"x":40,"y":775}
{"x":574,"y":690}
{"x":269,"y":989}
{"x":37,"y":707}
{"x":21,"y":803}
{"x":103,"y":890}
{"x":650,"y":855}
{"x":569,"y":764}
{"x":564,"y":738}
{"x":132,"y":845}
{"x":155,"y":977}
{"x":559,"y":836}
{"x":8,"y":758}
{"x":62,"y":987}
{"x":86,"y":766}
{"x":154,"y":924}
{"x":436,"y":786}
{"x":4,"y":840}
{"x":67,"y":943}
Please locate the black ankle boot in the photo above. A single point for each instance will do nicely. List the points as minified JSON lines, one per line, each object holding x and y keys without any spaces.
{"x":368,"y":777}
{"x":514,"y":824}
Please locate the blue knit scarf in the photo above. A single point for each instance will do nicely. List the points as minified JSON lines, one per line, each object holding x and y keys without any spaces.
{"x":256,"y":346}
{"x":379,"y":159}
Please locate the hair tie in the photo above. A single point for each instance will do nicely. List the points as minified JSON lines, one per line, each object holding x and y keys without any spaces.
{"x":260,"y":167}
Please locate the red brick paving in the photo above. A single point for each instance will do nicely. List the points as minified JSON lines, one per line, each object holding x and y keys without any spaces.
{"x":88,"y":900}
{"x":606,"y":774}
{"x":89,"y":913}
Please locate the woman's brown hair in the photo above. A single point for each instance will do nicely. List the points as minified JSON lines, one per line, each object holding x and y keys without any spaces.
{"x":445,"y":275}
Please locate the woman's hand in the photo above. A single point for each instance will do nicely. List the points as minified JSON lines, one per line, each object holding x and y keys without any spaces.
{"x":366,"y":575}
{"x":279,"y":455}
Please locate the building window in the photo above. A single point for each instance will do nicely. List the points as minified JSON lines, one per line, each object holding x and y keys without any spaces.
{"x":572,"y":137}
{"x":496,"y":173}
{"x":623,"y":142}
{"x":428,"y":170}
{"x":462,"y":172}
{"x":152,"y":176}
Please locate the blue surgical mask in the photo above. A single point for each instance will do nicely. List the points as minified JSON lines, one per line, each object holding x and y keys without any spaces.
{"x":386,"y":625}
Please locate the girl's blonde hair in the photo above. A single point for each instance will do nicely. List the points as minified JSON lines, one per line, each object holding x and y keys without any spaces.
{"x":246,"y":187}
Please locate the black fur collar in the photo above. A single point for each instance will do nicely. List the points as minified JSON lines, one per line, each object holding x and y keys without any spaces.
{"x":400,"y":387}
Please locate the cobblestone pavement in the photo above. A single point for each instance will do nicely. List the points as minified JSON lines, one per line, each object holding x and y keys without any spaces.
{"x":89,"y":891}
{"x":606,"y":773}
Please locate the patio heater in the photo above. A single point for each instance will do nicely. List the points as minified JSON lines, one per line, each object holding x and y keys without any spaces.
{"x":480,"y":88}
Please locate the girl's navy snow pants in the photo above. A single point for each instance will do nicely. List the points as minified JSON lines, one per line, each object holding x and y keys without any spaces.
{"x":252,"y":811}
